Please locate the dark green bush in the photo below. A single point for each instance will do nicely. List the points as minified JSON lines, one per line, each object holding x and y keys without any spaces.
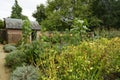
{"x":9,"y":48}
{"x":33,"y":50}
{"x":25,"y":73}
{"x":15,"y":58}
{"x":1,"y":40}
{"x":27,"y":54}
{"x":1,"y":24}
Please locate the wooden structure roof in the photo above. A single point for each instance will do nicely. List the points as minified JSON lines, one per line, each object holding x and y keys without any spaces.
{"x":11,"y":23}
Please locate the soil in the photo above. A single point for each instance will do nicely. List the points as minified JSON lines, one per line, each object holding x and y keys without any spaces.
{"x":4,"y":72}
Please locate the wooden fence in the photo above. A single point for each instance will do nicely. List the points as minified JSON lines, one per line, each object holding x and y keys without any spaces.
{"x":2,"y":35}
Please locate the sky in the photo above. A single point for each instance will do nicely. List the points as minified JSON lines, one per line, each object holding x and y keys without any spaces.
{"x":28,"y":7}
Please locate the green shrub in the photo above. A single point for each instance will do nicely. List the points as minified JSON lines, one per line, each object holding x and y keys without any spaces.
{"x":33,"y":50}
{"x":25,"y":73}
{"x":112,"y":33}
{"x":88,"y":61}
{"x":15,"y":58}
{"x":27,"y":54}
{"x":9,"y":48}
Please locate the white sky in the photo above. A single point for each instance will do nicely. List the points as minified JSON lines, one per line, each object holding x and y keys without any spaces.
{"x":28,"y":7}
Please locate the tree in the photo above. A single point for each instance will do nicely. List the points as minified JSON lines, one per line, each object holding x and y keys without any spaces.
{"x":116,"y":13}
{"x":26,"y":31}
{"x":108,"y":11}
{"x":39,"y":14}
{"x":59,"y":14}
{"x":17,"y":11}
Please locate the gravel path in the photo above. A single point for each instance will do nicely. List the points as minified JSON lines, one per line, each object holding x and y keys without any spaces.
{"x":4,"y":72}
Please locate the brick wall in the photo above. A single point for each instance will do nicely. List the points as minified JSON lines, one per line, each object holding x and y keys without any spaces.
{"x":13,"y":36}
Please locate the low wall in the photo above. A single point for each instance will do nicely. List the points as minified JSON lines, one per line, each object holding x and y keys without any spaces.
{"x":13,"y":36}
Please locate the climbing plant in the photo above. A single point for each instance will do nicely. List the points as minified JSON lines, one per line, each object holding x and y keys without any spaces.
{"x":26,"y":31}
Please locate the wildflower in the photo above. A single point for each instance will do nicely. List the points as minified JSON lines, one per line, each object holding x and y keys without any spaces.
{"x":60,"y":34}
{"x":81,"y":21}
{"x":91,"y":68}
{"x":71,"y":35}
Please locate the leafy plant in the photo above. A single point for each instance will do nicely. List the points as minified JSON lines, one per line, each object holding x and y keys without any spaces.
{"x":17,"y":11}
{"x":15,"y":58}
{"x":33,"y":50}
{"x":111,"y":33}
{"x":62,"y":60}
{"x":25,"y":73}
{"x":9,"y":48}
{"x":79,"y":27}
{"x":91,"y":60}
{"x":26,"y":31}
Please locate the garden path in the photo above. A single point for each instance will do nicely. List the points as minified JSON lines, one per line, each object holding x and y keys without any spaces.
{"x":4,"y":72}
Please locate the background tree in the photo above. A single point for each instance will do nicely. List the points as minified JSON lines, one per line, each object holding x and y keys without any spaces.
{"x":107,"y":11}
{"x":39,"y":14}
{"x":61,"y":13}
{"x":26,"y":31}
{"x":17,"y":11}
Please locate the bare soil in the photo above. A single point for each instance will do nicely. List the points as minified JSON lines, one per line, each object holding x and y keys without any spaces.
{"x":4,"y":72}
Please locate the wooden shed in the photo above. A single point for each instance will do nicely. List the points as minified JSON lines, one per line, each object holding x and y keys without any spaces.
{"x":13,"y":29}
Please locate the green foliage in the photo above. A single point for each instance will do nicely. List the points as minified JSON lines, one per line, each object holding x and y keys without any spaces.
{"x":1,"y":24}
{"x":40,"y":13}
{"x":107,"y":11}
{"x":33,"y":50}
{"x":23,"y":17}
{"x":111,"y":33}
{"x":94,"y":22}
{"x":26,"y":31}
{"x":26,"y":54}
{"x":24,"y":73}
{"x":58,"y":58}
{"x":9,"y":48}
{"x":89,"y":60}
{"x":60,"y":14}
{"x":14,"y":59}
{"x":53,"y":22}
{"x":79,"y":27}
{"x":17,"y":11}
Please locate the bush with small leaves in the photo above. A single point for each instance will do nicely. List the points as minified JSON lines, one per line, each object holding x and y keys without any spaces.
{"x":15,"y":58}
{"x":9,"y":48}
{"x":25,"y":73}
{"x":90,"y":60}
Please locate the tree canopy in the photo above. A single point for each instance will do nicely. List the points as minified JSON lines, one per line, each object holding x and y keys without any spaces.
{"x":39,"y":14}
{"x":59,"y":14}
{"x":108,"y":11}
{"x":17,"y":11}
